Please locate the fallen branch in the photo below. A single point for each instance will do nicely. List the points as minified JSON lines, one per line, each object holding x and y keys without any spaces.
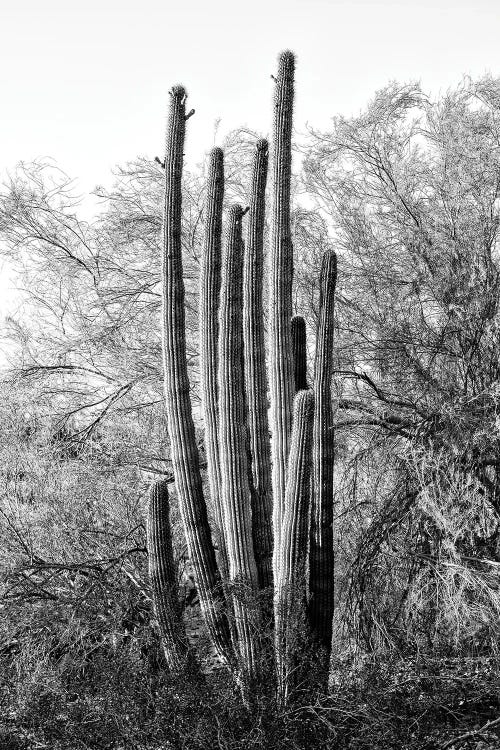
{"x":473,"y":732}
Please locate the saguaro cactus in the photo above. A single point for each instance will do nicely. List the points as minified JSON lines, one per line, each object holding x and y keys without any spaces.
{"x":163,"y":577}
{"x":235,"y":488}
{"x":299,"y":352}
{"x":280,"y":292}
{"x":321,"y":562}
{"x":184,"y":451}
{"x":292,"y":584}
{"x":236,"y":426}
{"x":255,"y":370}
{"x":210,"y":281}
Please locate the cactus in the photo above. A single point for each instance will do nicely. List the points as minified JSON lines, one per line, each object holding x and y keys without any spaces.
{"x":299,"y":353}
{"x":321,"y":583}
{"x":184,"y":450}
{"x":235,"y":488}
{"x":209,"y":336}
{"x":255,"y":371}
{"x":244,"y":491}
{"x":280,"y":293}
{"x":163,"y":577}
{"x":291,"y":585}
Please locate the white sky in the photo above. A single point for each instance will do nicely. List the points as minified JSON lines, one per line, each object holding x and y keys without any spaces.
{"x":86,"y":82}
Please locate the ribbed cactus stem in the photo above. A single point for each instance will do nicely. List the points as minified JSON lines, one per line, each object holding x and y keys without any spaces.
{"x":163,"y":578}
{"x":209,"y":336}
{"x":291,"y":588}
{"x":321,"y":562}
{"x":255,"y":370}
{"x":235,"y":488}
{"x":280,"y":292}
{"x":184,"y":450}
{"x":299,"y":353}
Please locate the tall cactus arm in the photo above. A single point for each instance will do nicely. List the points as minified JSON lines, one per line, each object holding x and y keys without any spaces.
{"x":299,"y":353}
{"x":280,"y":293}
{"x":163,"y":578}
{"x":291,"y":589}
{"x":184,"y":451}
{"x":209,"y":335}
{"x":321,"y":562}
{"x":255,"y":371}
{"x":235,"y":488}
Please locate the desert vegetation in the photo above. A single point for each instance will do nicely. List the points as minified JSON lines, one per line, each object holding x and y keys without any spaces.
{"x":249,"y":437}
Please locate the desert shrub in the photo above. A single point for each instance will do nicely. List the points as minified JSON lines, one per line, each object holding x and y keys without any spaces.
{"x":420,"y":566}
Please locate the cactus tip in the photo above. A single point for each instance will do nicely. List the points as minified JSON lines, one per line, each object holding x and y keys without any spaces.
{"x":286,"y":60}
{"x":235,"y":211}
{"x":262,"y":144}
{"x":216,"y":153}
{"x":178,"y":91}
{"x":331,"y":257}
{"x":304,"y":400}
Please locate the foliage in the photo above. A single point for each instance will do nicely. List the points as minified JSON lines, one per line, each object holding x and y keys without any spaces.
{"x":119,"y":702}
{"x":409,"y":188}
{"x":408,"y":193}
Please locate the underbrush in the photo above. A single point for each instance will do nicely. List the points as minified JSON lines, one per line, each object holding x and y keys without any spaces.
{"x":124,"y":700}
{"x":416,"y":663}
{"x":419,"y":703}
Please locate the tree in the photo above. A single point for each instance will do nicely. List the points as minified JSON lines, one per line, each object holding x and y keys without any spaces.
{"x":410,"y":191}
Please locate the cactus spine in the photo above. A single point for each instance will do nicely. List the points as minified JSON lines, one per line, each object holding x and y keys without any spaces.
{"x":163,"y":577}
{"x":321,"y":562}
{"x":184,"y":451}
{"x":291,"y":586}
{"x":299,"y":353}
{"x":280,"y":293}
{"x":255,"y":370}
{"x":209,"y":336}
{"x":235,"y":488}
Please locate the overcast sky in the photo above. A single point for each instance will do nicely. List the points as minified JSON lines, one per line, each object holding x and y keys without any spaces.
{"x":86,"y":82}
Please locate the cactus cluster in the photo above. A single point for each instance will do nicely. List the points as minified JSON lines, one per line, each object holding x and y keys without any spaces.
{"x":272,"y":499}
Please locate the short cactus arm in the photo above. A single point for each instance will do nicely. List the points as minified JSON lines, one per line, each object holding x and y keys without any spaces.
{"x":299,"y":352}
{"x":280,"y":292}
{"x":209,"y":335}
{"x":255,"y":370}
{"x":291,"y":589}
{"x":163,"y":578}
{"x":321,"y":560}
{"x":184,"y":450}
{"x":235,"y":488}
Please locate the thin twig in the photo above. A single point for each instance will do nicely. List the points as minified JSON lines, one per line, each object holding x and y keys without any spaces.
{"x":473,"y":732}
